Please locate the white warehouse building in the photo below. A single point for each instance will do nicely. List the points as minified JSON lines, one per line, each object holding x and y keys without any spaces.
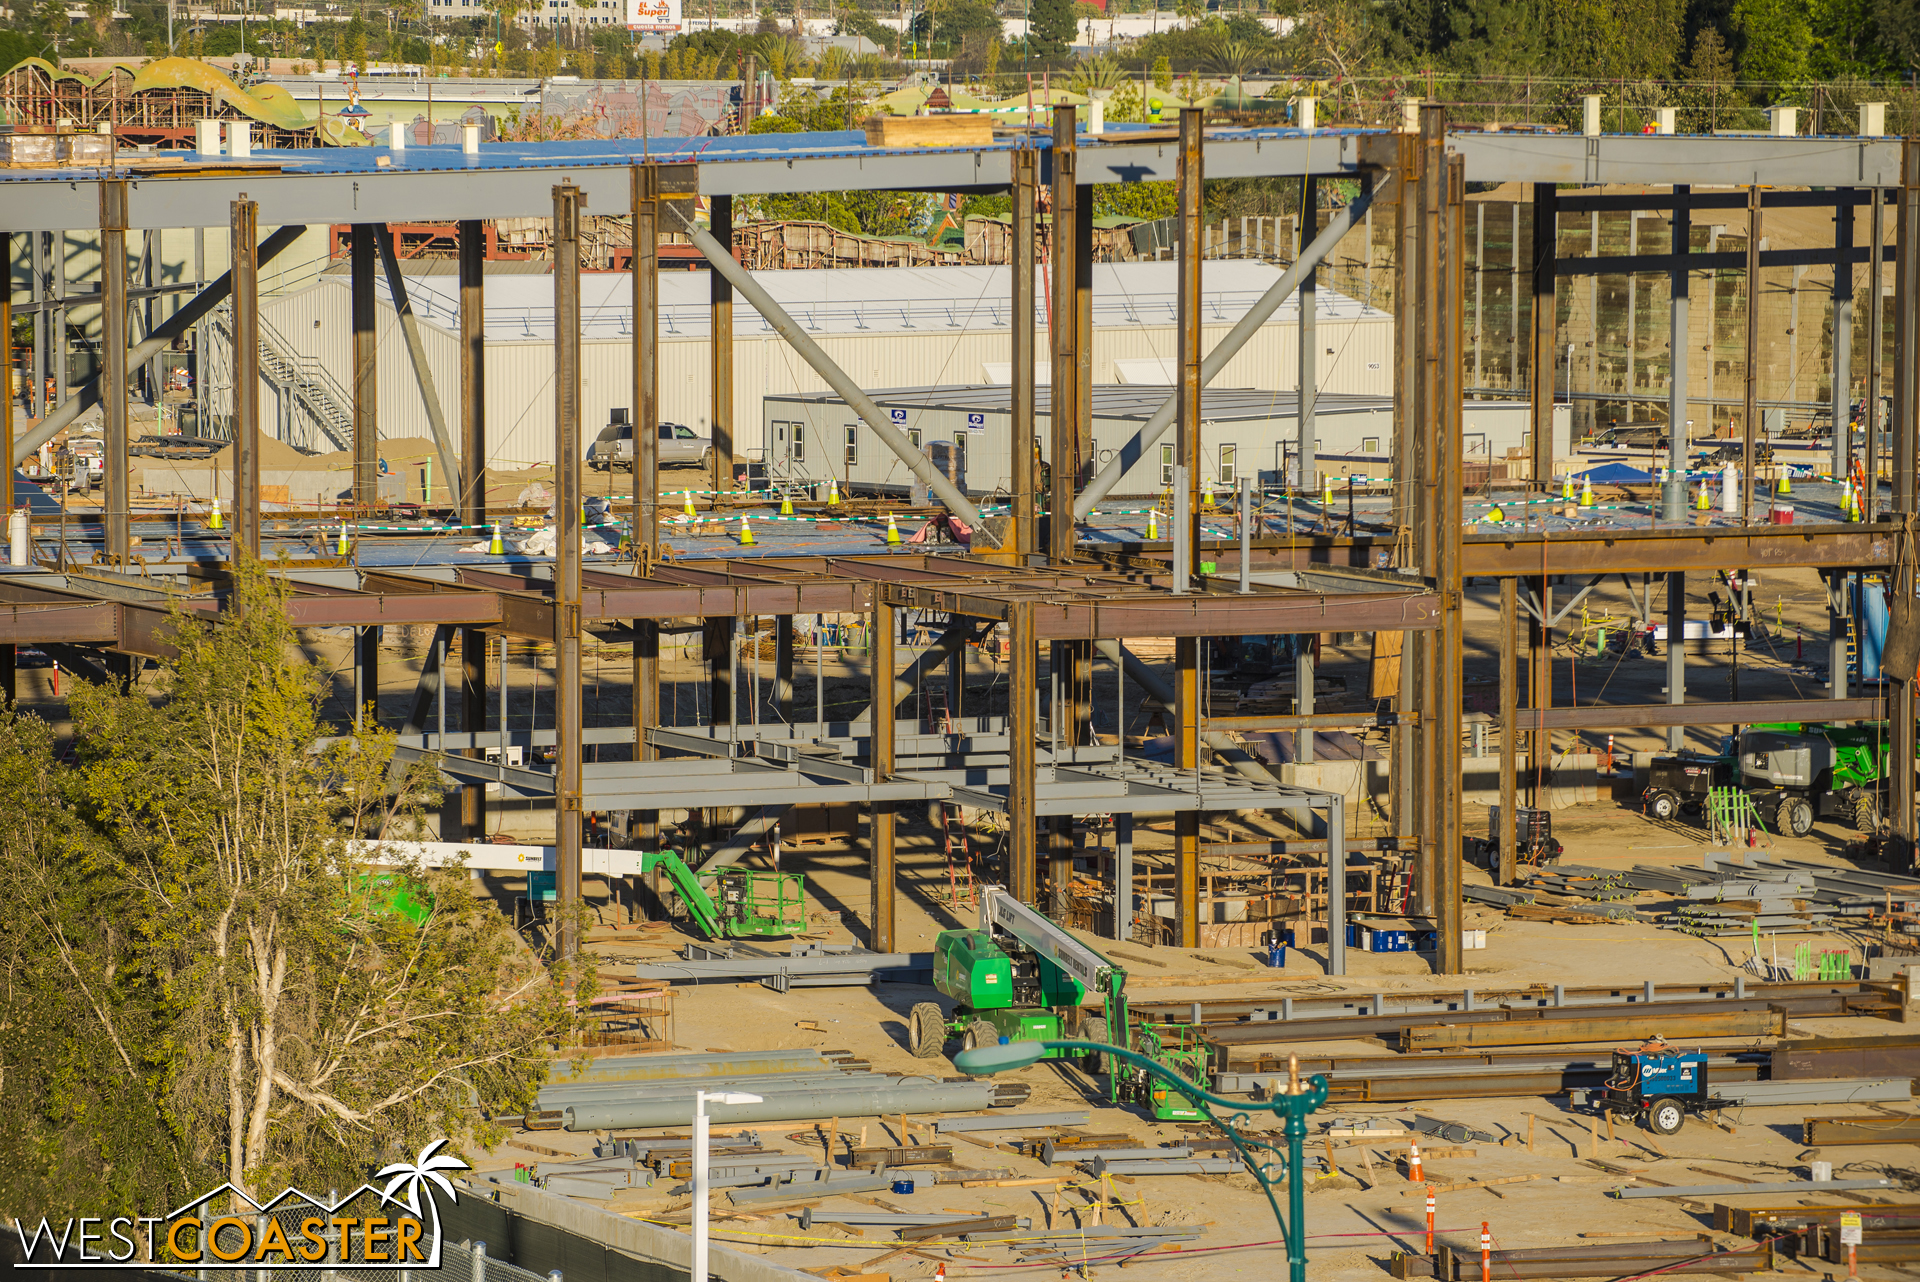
{"x":887,"y":327}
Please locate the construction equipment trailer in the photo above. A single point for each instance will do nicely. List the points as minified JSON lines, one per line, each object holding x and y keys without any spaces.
{"x":1019,"y":977}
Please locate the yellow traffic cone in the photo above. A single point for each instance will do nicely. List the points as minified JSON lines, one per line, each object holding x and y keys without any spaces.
{"x":1206,"y":495}
{"x":1586,"y":492}
{"x":1496,"y":516}
{"x":1326,"y":494}
{"x":1701,"y":502}
{"x":686,"y":506}
{"x":499,"y":545}
{"x":214,"y":520}
{"x":786,"y":503}
{"x":1153,"y":525}
{"x":340,"y":547}
{"x":746,"y":533}
{"x":893,"y":532}
{"x":833,"y":492}
{"x":1785,"y":488}
{"x":1566,"y":488}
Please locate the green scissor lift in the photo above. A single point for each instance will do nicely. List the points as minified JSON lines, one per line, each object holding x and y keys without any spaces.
{"x":737,"y":902}
{"x":1021,"y":978}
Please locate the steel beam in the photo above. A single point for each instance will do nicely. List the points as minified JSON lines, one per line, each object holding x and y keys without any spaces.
{"x":1678,"y":342}
{"x":917,"y":461}
{"x":1338,"y":225}
{"x":365,"y":314}
{"x":645,"y":196}
{"x":1906,"y":429}
{"x":1546,"y":321}
{"x":473,"y":493}
{"x":1844,"y":216}
{"x":117,"y":515}
{"x":246,"y":378}
{"x":1509,"y":725}
{"x":1750,"y":409}
{"x":190,"y":314}
{"x":1186,"y":759}
{"x":1021,"y":450}
{"x":880,"y":850}
{"x":720,"y":346}
{"x":1023,"y":729}
{"x":568,"y":708}
{"x":1449,"y":649}
{"x":1307,"y":339}
{"x":1190,"y":375}
{"x":417,"y":354}
{"x":1063,"y":395}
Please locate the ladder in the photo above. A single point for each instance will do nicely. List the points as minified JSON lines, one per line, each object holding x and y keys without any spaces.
{"x":953,"y":836}
{"x":935,"y":718}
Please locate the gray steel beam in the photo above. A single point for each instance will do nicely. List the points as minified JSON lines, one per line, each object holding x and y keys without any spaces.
{"x":880,"y":921}
{"x":246,"y":377}
{"x":569,"y":710}
{"x":720,"y":348}
{"x":117,"y":515}
{"x":473,"y":494}
{"x":190,"y":314}
{"x":1020,"y":451}
{"x":1064,"y":407}
{"x":417,"y":354}
{"x":1229,"y":347}
{"x":1677,"y":344}
{"x":796,"y":335}
{"x":364,"y":316}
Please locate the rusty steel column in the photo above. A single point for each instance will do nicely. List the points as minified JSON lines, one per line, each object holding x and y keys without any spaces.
{"x":1546,"y":238}
{"x":1024,"y":478}
{"x":1063,"y":394}
{"x":1083,"y":341}
{"x":645,"y":524}
{"x":1450,"y":519}
{"x":720,"y":345}
{"x":1403,"y":187}
{"x":1750,"y":406}
{"x":473,"y":498}
{"x":1023,"y":729}
{"x":1509,"y":723}
{"x":880,"y":817}
{"x":362,"y":257}
{"x":1191,"y":168}
{"x":246,"y":376}
{"x":1906,"y":425}
{"x":1186,"y":759}
{"x":1876,"y":326}
{"x":1308,"y":378}
{"x":569,"y":712}
{"x":1431,"y":478}
{"x":118,"y":513}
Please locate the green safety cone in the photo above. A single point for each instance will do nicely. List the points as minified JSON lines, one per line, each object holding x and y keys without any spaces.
{"x":833,"y":492}
{"x":686,"y":506}
{"x":340,"y":547}
{"x":1153,"y":525}
{"x":786,"y":503}
{"x":1586,"y":492}
{"x":746,"y":533}
{"x":214,"y":520}
{"x":1786,"y":488}
{"x":893,"y":532}
{"x":499,"y":545}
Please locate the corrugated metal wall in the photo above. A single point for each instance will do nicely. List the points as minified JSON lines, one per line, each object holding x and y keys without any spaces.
{"x":1358,"y":359}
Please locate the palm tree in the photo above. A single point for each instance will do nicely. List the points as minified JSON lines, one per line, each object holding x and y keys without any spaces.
{"x":424,"y":1170}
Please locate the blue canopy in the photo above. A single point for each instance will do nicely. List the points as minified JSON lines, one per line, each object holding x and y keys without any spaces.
{"x":1617,"y":474}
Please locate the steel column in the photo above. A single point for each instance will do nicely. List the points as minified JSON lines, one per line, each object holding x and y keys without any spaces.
{"x":1449,"y":691}
{"x":246,"y":378}
{"x":1677,"y":324}
{"x":1406,"y":740}
{"x":1187,"y":413}
{"x":1186,"y":759}
{"x":417,"y":357}
{"x":1083,"y":341}
{"x":118,"y":513}
{"x":473,"y":493}
{"x":1063,"y":396}
{"x":1844,"y":215}
{"x":1877,"y":326}
{"x":1509,"y":724}
{"x":569,"y":713}
{"x":1309,"y":353}
{"x":366,"y":677}
{"x":1750,"y":405}
{"x":362,"y":254}
{"x":1906,"y":423}
{"x":1123,"y":876}
{"x":1023,"y":728}
{"x":645,"y":527}
{"x":1546,"y":219}
{"x":880,"y":920}
{"x":783,"y":668}
{"x":1020,"y":452}
{"x":720,"y":345}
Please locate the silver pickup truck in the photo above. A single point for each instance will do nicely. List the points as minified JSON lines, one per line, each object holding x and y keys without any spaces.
{"x":613,"y":449}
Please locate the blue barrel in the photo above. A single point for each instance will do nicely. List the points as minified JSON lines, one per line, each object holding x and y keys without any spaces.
{"x":1872,"y":615}
{"x":903,"y":1186}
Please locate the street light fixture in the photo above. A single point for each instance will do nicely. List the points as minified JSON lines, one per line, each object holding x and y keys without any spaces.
{"x":1300,"y":1099}
{"x":700,"y":1208}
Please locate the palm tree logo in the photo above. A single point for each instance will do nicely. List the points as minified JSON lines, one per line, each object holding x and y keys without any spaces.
{"x":410,"y":1180}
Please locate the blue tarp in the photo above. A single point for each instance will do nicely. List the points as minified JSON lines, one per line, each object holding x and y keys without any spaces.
{"x":1617,"y":474}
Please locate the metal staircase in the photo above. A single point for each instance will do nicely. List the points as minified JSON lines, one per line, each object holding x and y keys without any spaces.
{"x":304,"y":379}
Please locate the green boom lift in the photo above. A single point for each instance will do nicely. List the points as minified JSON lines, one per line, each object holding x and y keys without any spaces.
{"x":740,"y":901}
{"x":1021,"y":978}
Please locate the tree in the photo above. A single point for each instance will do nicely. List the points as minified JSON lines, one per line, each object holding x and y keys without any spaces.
{"x":1162,"y":74}
{"x":1707,"y":88}
{"x":956,"y":20}
{"x":1773,"y":40}
{"x":1899,"y":27}
{"x":274,"y":1011}
{"x":1050,"y":28}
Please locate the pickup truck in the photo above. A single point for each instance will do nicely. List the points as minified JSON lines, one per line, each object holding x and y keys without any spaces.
{"x":679,"y":445}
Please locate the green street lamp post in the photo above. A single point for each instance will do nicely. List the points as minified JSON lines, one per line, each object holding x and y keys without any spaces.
{"x":1300,"y":1099}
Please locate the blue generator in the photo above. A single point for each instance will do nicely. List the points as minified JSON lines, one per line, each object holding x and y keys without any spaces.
{"x":1658,"y":1087}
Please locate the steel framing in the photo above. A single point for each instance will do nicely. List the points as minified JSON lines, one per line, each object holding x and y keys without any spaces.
{"x":1049,"y":590}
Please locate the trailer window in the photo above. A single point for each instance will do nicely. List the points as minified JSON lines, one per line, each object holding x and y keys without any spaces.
{"x":1166,"y":465}
{"x":1226,"y":466}
{"x":1369,"y":445}
{"x":853,"y":446}
{"x":799,"y":442}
